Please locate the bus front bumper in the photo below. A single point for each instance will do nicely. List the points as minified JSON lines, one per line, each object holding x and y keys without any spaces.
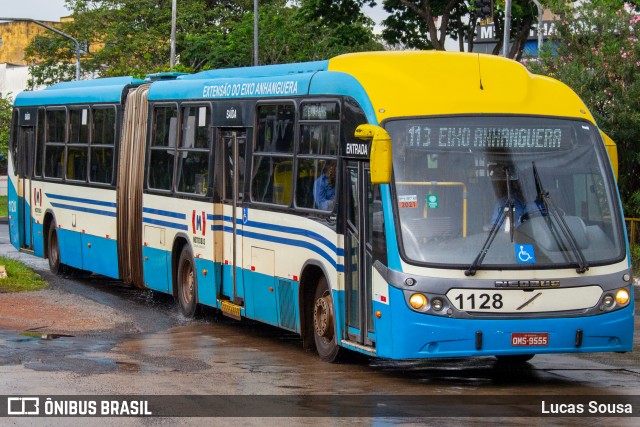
{"x":405,"y":334}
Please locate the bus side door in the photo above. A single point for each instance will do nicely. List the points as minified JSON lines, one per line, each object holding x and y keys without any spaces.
{"x":25,"y":164}
{"x":359,"y":209}
{"x":234,"y":143}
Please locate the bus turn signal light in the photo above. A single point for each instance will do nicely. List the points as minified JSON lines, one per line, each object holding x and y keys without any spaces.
{"x":622,"y":296}
{"x":418,"y":301}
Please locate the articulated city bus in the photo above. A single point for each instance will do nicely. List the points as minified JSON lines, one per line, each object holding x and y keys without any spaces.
{"x":398,"y":204}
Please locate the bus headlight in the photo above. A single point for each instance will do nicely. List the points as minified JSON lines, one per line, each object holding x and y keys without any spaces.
{"x":608,"y":300}
{"x":436,"y":304}
{"x":622,"y":296}
{"x":418,"y":301}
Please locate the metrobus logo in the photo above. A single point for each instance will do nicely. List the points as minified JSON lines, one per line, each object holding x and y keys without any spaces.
{"x":199,"y":222}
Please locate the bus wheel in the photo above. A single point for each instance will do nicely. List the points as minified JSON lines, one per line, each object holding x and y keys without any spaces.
{"x":515,"y":359}
{"x":53,"y":249}
{"x":323,"y":323}
{"x":187,"y":284}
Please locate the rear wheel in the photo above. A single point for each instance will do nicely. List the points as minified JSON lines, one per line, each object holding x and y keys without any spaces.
{"x":515,"y":359}
{"x":324,"y":324}
{"x":53,"y":249}
{"x":187,"y":283}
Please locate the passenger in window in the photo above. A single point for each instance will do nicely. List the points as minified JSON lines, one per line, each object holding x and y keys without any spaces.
{"x":324,"y":191}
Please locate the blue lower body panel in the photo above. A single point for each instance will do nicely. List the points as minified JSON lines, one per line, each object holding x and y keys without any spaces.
{"x":85,"y":251}
{"x":227,"y":281}
{"x":100,"y":255}
{"x":155,"y":266}
{"x":405,"y":334}
{"x":70,"y":244}
{"x":38,"y":240}
{"x":208,"y":283}
{"x":262,"y":305}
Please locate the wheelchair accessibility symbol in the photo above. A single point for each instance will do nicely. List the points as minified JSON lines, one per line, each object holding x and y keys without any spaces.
{"x":245,"y":215}
{"x":525,"y":254}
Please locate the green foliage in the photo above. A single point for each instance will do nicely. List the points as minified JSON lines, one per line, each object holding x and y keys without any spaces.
{"x":132,"y":37}
{"x":20,"y":278}
{"x":411,"y":23}
{"x":6,"y":106}
{"x":597,"y":54}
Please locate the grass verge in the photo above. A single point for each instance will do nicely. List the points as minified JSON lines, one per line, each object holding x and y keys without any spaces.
{"x":3,"y":206}
{"x":20,"y":278}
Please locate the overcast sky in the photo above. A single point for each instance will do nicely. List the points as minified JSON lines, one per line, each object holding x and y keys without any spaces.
{"x":42,"y":10}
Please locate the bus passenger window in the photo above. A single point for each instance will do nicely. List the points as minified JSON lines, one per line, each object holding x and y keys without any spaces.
{"x":77,"y":150}
{"x":193,"y":154}
{"x":273,"y":155}
{"x":163,"y":145}
{"x":39,"y":143}
{"x":103,"y":138}
{"x":55,"y":137}
{"x":316,"y":154}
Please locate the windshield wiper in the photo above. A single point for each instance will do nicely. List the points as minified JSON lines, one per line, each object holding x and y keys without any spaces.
{"x":553,"y":211}
{"x":509,"y":207}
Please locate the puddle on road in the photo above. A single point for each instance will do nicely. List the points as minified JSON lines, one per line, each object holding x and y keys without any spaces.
{"x":31,"y":336}
{"x":252,"y":355}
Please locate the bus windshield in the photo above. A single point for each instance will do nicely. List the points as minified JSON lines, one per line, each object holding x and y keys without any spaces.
{"x":517,"y":192}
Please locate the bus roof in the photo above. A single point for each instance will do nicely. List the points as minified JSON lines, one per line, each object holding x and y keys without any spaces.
{"x":393,"y":84}
{"x":414,"y":83}
{"x":386,"y":84}
{"x":107,"y":90}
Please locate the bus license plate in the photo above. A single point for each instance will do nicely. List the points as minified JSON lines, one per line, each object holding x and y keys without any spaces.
{"x":539,"y":339}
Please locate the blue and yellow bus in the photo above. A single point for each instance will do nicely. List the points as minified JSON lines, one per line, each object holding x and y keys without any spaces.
{"x":398,"y":204}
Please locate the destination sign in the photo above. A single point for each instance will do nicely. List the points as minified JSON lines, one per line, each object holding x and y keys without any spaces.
{"x":503,"y":137}
{"x":320,"y":111}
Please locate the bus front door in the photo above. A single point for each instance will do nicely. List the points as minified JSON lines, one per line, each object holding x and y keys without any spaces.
{"x":26,"y":155}
{"x":233,"y":145}
{"x":358,"y":253}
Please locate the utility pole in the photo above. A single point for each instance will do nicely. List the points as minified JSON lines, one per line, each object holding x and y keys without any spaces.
{"x":55,"y":30}
{"x":255,"y":32}
{"x":507,"y":28}
{"x":172,"y":58}
{"x":540,"y":11}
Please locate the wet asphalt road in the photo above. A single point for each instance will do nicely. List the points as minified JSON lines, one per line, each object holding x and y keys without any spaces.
{"x":159,"y":353}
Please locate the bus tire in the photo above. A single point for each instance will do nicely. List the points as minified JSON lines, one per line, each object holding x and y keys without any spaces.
{"x":515,"y":358}
{"x":53,"y":249}
{"x":324,"y":324}
{"x":187,"y":284}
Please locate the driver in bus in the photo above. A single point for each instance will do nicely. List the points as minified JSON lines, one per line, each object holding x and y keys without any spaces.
{"x":522,"y":209}
{"x":324,"y":192}
{"x":499,"y":177}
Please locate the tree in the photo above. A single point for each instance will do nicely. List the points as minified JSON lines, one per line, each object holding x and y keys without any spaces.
{"x":131,"y":37}
{"x":596,"y":52}
{"x":425,"y":24}
{"x":287,"y":33}
{"x":127,"y":36}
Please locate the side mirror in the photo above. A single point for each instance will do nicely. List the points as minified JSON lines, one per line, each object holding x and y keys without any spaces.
{"x":380,"y":158}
